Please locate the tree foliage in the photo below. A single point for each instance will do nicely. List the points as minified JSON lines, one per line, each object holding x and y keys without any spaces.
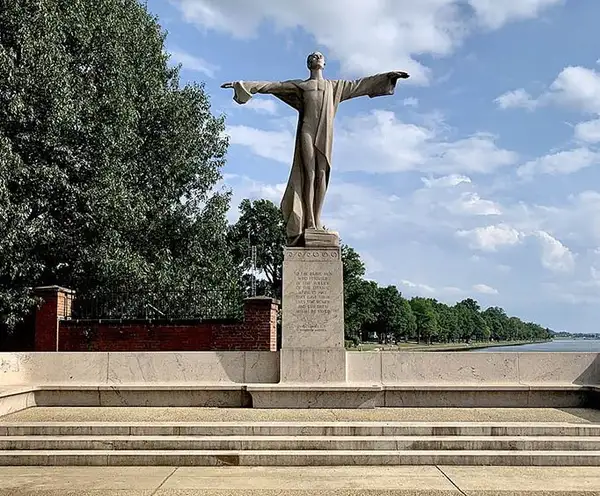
{"x":394,"y":318}
{"x":360,"y":296}
{"x":261,"y":225}
{"x":107,"y":164}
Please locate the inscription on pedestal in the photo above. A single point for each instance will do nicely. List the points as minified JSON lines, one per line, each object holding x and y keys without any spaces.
{"x":313,"y":312}
{"x":313,"y":296}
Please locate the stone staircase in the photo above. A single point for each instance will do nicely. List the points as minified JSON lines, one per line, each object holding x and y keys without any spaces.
{"x":299,"y":443}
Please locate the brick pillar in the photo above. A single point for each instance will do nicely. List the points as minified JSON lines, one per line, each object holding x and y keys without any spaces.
{"x":260,"y":318}
{"x":56,"y":305}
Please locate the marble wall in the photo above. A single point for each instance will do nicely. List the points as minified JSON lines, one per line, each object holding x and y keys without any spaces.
{"x":256,"y":367}
{"x":139,"y":367}
{"x":430,"y":368}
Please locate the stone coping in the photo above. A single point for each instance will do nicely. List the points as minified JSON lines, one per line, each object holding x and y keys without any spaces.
{"x":304,"y":423}
{"x":300,"y":387}
{"x":14,"y":391}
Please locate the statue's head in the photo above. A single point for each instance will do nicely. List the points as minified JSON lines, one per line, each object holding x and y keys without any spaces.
{"x":315,"y":60}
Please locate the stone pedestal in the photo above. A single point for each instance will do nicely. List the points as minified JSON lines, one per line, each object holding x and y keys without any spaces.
{"x":312,"y":347}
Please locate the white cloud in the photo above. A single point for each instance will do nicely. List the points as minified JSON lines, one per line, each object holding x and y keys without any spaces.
{"x":555,"y":256}
{"x":588,"y":131}
{"x":274,"y":145}
{"x":367,"y":37}
{"x":575,"y":87}
{"x":410,"y":102}
{"x":263,"y":106}
{"x":577,"y":220}
{"x":445,"y":181}
{"x":372,"y":265}
{"x":485,"y":289}
{"x":379,"y":142}
{"x":490,"y":238}
{"x":495,"y":13}
{"x":516,"y":99}
{"x":564,"y":162}
{"x":448,"y":293}
{"x":192,"y":63}
{"x":471,"y":203}
{"x":246,"y":187}
{"x":478,"y":153}
{"x":418,"y":287}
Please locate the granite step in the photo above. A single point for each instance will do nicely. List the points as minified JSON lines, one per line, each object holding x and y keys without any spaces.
{"x":285,"y":443}
{"x":297,"y":429}
{"x":296,"y":458}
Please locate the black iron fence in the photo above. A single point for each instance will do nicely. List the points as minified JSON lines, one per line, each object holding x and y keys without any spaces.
{"x":196,"y":304}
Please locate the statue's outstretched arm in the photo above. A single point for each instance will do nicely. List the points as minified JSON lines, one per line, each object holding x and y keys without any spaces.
{"x":245,"y":89}
{"x":377,"y":85}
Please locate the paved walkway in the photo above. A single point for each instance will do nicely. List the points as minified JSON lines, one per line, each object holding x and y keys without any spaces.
{"x":173,"y":414}
{"x":300,"y":481}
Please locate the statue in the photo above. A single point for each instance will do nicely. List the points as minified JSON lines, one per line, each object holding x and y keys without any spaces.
{"x":316,"y":99}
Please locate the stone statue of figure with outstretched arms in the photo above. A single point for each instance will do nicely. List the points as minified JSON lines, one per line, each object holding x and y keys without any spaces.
{"x":316,"y":99}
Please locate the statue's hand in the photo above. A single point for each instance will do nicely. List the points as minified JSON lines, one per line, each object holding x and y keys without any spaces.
{"x":399,"y":75}
{"x":227,"y":85}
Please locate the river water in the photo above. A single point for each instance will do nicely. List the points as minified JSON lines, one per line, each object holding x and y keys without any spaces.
{"x":572,"y":345}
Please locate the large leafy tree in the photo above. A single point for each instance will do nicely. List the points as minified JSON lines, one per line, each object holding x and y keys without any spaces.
{"x":393,"y":315}
{"x":107,"y":164}
{"x":261,"y":225}
{"x":427,"y":319}
{"x":360,"y":296}
{"x":473,"y":325}
{"x":495,"y":319}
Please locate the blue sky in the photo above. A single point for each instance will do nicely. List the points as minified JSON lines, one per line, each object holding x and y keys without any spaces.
{"x":479,"y":178}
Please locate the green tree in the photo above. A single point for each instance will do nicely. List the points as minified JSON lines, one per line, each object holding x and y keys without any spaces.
{"x":360,"y":296}
{"x":260,"y":224}
{"x":496,"y":318}
{"x":388,"y":322}
{"x":360,"y":303}
{"x":107,"y":164}
{"x":426,"y":317}
{"x":448,"y":323}
{"x":471,"y":323}
{"x":408,"y":321}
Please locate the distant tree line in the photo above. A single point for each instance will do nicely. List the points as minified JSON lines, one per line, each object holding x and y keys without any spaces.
{"x":569,"y":335}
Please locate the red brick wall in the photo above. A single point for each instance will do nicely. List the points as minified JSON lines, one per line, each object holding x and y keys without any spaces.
{"x":258,"y":331}
{"x":56,"y":304}
{"x":260,"y":315}
{"x":133,"y":336}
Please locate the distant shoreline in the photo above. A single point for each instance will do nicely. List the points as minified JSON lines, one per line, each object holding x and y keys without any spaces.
{"x":444,"y":346}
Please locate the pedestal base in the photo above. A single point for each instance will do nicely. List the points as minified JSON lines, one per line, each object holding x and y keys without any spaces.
{"x":313,"y":365}
{"x":313,"y":298}
{"x":312,"y":346}
{"x":319,"y":238}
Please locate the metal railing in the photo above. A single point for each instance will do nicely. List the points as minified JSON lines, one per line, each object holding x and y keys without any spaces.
{"x":196,"y":304}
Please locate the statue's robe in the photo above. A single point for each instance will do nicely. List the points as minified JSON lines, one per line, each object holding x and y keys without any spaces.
{"x":291,"y":93}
